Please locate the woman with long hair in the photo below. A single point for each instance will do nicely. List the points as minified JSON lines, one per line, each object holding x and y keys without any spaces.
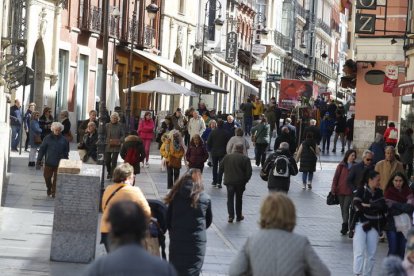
{"x":341,"y":189}
{"x":189,"y":215}
{"x":173,"y":150}
{"x":398,"y":197}
{"x":45,"y":121}
{"x":275,"y":249}
{"x":146,"y":133}
{"x":308,"y":153}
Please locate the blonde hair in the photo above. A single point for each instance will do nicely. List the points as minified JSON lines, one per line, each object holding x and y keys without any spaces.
{"x":278,"y":212}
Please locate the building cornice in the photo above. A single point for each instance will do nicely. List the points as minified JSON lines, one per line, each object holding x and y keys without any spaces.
{"x":178,"y":19}
{"x":378,"y":49}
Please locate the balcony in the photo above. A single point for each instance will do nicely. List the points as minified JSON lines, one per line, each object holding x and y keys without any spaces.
{"x":300,"y":10}
{"x":114,"y":27}
{"x":324,"y":68}
{"x":325,"y":27}
{"x":90,"y":19}
{"x":298,"y":55}
{"x":149,"y":37}
{"x":282,"y":41}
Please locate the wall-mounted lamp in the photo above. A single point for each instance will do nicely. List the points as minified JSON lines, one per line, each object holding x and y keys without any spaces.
{"x":324,"y":55}
{"x":152,"y":10}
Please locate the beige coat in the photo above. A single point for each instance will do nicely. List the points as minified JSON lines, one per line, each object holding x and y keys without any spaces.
{"x":386,"y":169}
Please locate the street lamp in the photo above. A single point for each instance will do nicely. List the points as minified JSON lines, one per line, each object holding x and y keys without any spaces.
{"x":218,"y":22}
{"x":152,"y":10}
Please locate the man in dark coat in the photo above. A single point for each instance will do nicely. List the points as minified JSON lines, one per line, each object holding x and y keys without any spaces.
{"x":133,"y":143}
{"x":292,"y":133}
{"x":285,"y":137}
{"x":349,"y":131}
{"x":231,"y":125}
{"x":15,"y":123}
{"x":237,"y":170}
{"x":407,"y":155}
{"x":217,"y":143}
{"x":316,"y":132}
{"x":340,"y":126}
{"x":277,"y":183}
{"x":356,"y":174}
{"x":247,"y":108}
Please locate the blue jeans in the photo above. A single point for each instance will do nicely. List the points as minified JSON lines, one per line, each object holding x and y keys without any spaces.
{"x":217,"y":175}
{"x":364,"y":245}
{"x":248,"y":121}
{"x":15,"y":136}
{"x":396,"y":243}
{"x":307,"y":176}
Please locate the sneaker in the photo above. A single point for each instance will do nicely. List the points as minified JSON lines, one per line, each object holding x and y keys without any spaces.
{"x":240,"y":218}
{"x":146,"y":165}
{"x":304,"y":186}
{"x":309,"y":186}
{"x":32,"y":164}
{"x":382,"y":237}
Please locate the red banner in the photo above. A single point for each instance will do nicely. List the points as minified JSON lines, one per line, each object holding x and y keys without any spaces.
{"x":390,"y":78}
{"x":291,"y":92}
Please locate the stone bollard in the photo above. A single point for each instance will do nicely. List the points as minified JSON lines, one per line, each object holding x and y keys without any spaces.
{"x":76,"y":213}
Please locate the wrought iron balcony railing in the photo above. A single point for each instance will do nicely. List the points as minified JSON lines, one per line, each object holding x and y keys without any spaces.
{"x":325,"y":27}
{"x":282,"y":41}
{"x":298,"y":55}
{"x":300,"y":10}
{"x":114,"y":26}
{"x":149,"y":36}
{"x":90,"y":19}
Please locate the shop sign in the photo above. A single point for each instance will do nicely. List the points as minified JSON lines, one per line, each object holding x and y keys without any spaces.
{"x":390,"y":78}
{"x":231,"y":47}
{"x":365,"y":23}
{"x":273,"y":77}
{"x":258,"y":49}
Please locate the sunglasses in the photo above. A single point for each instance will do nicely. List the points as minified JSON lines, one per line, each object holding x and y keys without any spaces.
{"x":368,"y":159}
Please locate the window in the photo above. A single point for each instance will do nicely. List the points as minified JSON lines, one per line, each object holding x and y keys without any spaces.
{"x":211,"y":18}
{"x":181,"y":7}
{"x":62,"y":94}
{"x":82,"y":87}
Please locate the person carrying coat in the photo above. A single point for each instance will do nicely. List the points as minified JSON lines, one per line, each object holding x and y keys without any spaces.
{"x":308,"y":153}
{"x":237,"y":171}
{"x":406,"y":156}
{"x":196,"y":154}
{"x":115,"y":134}
{"x":133,"y":151}
{"x":189,"y":214}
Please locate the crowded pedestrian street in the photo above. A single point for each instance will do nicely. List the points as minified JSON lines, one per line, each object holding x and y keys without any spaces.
{"x":27,"y":218}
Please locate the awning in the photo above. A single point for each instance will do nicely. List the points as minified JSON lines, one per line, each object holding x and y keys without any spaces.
{"x":404,"y":88}
{"x":248,"y":87}
{"x":180,"y":72}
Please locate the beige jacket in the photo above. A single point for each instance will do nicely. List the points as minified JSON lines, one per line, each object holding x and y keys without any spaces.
{"x":386,"y":169}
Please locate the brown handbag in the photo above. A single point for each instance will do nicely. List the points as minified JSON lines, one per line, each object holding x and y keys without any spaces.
{"x":69,"y":136}
{"x":114,"y":142}
{"x":37,"y":139}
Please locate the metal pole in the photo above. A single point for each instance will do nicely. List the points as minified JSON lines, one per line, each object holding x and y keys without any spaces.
{"x":23,"y":112}
{"x":128,"y":103}
{"x":251,"y":51}
{"x":103,"y":113}
{"x":202,"y":48}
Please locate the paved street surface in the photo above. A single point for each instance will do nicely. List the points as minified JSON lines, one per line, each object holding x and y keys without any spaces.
{"x":27,"y":218}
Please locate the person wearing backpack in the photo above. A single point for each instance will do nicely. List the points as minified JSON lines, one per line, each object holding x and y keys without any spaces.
{"x":133,"y":151}
{"x":308,"y":153}
{"x":278,"y":168}
{"x":391,"y":135}
{"x":405,"y":149}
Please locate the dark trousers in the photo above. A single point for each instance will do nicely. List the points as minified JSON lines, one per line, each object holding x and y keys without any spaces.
{"x":396,"y":243}
{"x":217,"y":175}
{"x":408,"y":169}
{"x":235,"y":191}
{"x":261,"y":153}
{"x":48,"y":174}
{"x":248,"y":121}
{"x":105,"y":241}
{"x":26,"y":144}
{"x":172,"y":176}
{"x":326,"y":140}
{"x":111,"y":158}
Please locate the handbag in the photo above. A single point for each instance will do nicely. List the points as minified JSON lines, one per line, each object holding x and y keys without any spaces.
{"x":37,"y":139}
{"x":174,"y":162}
{"x":254,"y":138}
{"x":332,"y":199}
{"x":402,"y":223}
{"x":114,"y":142}
{"x":69,"y":136}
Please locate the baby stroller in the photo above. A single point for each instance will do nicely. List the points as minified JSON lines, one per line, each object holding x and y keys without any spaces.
{"x":158,"y":226}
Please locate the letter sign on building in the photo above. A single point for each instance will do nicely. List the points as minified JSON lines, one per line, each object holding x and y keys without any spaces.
{"x":365,"y":23}
{"x":366,"y":4}
{"x":231,"y":47}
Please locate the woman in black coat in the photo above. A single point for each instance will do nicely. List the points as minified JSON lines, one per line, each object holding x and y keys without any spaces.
{"x":188,"y":216}
{"x":308,"y":153}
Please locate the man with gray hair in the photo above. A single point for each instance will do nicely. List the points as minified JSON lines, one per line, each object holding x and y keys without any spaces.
{"x":278,"y":168}
{"x":54,"y":148}
{"x":237,"y":170}
{"x":292,"y":132}
{"x":312,"y":128}
{"x":356,"y":174}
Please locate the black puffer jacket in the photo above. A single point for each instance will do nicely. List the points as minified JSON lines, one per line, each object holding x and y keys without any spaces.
{"x":307,"y":156}
{"x":187,"y":229}
{"x":133,"y":141}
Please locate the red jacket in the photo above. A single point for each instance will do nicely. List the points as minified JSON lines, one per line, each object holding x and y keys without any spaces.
{"x":387,"y":135}
{"x":146,"y":129}
{"x":339,"y":186}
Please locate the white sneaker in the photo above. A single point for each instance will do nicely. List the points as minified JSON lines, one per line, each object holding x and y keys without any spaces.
{"x":146,"y":165}
{"x":304,"y":186}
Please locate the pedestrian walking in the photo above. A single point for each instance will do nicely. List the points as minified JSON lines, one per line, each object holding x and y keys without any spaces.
{"x":378,"y":148}
{"x":349,"y":131}
{"x":307,"y":154}
{"x":355,"y":178}
{"x":237,"y":171}
{"x":53,"y":148}
{"x":388,"y":166}
{"x":316,"y":132}
{"x":189,"y":215}
{"x":165,"y":128}
{"x":146,"y":133}
{"x":285,"y":136}
{"x":45,"y":121}
{"x":87,"y":148}
{"x":16,"y":124}
{"x":275,"y":250}
{"x":370,"y":206}
{"x":34,"y":136}
{"x":179,"y":121}
{"x":258,"y":109}
{"x":217,"y":142}
{"x":64,"y":119}
{"x":173,"y":151}
{"x":400,"y":202}
{"x":278,"y":168}
{"x":211,"y":125}
{"x":273,"y":115}
{"x":230,"y":125}
{"x":391,"y":135}
{"x":292,"y":133}
{"x":84,"y":125}
{"x":327,"y":128}
{"x":122,"y":189}
{"x":405,"y":149}
{"x":196,"y":154}
{"x":261,"y":133}
{"x":115,"y":134}
{"x":196,"y":125}
{"x":340,"y":126}
{"x":341,"y":188}
{"x":238,"y":139}
{"x":129,"y":226}
{"x":26,"y":123}
{"x":133,"y":151}
{"x":247,"y":109}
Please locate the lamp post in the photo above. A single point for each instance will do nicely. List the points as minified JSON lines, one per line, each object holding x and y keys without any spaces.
{"x":152,"y":10}
{"x":218,"y":22}
{"x":261,"y":18}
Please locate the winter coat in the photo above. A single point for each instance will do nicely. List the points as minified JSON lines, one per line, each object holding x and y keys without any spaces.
{"x":196,"y":126}
{"x":26,"y":120}
{"x":327,"y":127}
{"x":206,"y":133}
{"x":315,"y":132}
{"x":15,"y":116}
{"x":387,"y":138}
{"x":66,"y":126}
{"x":217,"y":142}
{"x":262,"y":132}
{"x":114,"y":131}
{"x":379,"y":151}
{"x":350,"y":129}
{"x":247,"y":109}
{"x":146,"y":129}
{"x":45,"y":124}
{"x":133,"y":141}
{"x":285,"y":137}
{"x":407,"y":156}
{"x":340,"y":124}
{"x":276,"y":182}
{"x":237,"y":140}
{"x":34,"y":129}
{"x":386,"y":169}
{"x":397,"y":204}
{"x":89,"y":144}
{"x":237,"y":169}
{"x":231,"y":127}
{"x":196,"y":155}
{"x":356,"y":174}
{"x":258,"y":109}
{"x":180,"y":122}
{"x":187,"y":229}
{"x":308,"y":155}
{"x":53,"y":148}
{"x":167,"y":151}
{"x":84,"y":125}
{"x":339,"y":182}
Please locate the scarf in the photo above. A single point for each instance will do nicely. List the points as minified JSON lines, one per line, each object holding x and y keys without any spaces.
{"x":394,"y":194}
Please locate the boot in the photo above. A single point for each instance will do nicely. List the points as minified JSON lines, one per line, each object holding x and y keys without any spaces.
{"x":344,"y":229}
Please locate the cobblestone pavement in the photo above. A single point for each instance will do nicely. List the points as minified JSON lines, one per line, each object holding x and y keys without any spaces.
{"x":26,"y":220}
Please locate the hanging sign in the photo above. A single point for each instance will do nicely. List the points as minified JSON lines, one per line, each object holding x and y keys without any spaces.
{"x":231,"y":47}
{"x":391,"y":78}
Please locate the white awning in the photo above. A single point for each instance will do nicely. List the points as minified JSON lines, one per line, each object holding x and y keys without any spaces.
{"x":248,"y":87}
{"x":179,"y":71}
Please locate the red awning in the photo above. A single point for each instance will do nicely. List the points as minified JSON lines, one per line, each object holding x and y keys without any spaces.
{"x":404,"y":88}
